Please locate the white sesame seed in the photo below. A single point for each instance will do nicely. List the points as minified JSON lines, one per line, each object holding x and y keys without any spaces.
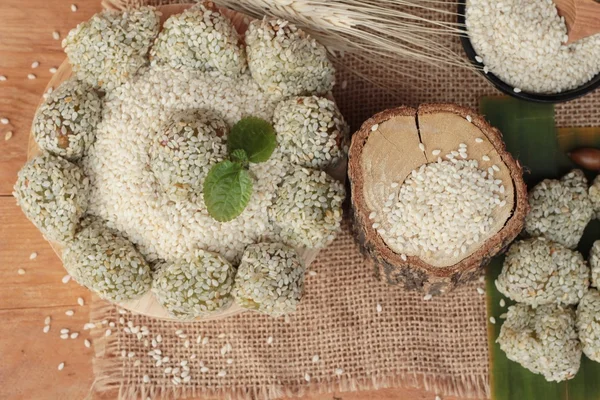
{"x":230,"y":361}
{"x":31,"y":76}
{"x":469,"y":118}
{"x":204,"y":370}
{"x":64,"y":330}
{"x":159,"y":339}
{"x":222,"y":373}
{"x":480,"y":290}
{"x":35,"y":64}
{"x":87,"y":343}
{"x":270,"y":340}
{"x":379,"y":308}
{"x":47,"y":320}
{"x":69,"y":313}
{"x":198,"y":339}
{"x":307,"y":377}
{"x":53,"y":70}
{"x":492,"y":320}
{"x":73,"y":7}
{"x":46,"y":328}
{"x":485,"y":158}
{"x":61,"y":366}
{"x":80,"y":301}
{"x":66,"y":279}
{"x":394,"y":185}
{"x":56,"y":35}
{"x":146,"y":379}
{"x":315,"y":358}
{"x":108,"y":332}
{"x":478,"y":59}
{"x":64,"y":336}
{"x":339,"y":371}
{"x":21,"y":271}
{"x":131,"y":354}
{"x":427,"y":297}
{"x":421,"y":146}
{"x":33,"y":256}
{"x":8,"y":135}
{"x":2,"y":78}
{"x":478,"y":140}
{"x":4,"y":121}
{"x":312,"y":273}
{"x":74,"y":335}
{"x":438,"y":398}
{"x":502,"y":303}
{"x":436,"y":152}
{"x":374,"y":127}
{"x":517,"y":90}
{"x":205,"y":341}
{"x":403,"y":257}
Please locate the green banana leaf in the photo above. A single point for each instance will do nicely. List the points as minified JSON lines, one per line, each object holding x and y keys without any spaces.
{"x":532,"y":137}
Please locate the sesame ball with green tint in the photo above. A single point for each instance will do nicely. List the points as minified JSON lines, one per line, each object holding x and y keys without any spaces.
{"x":594,"y":195}
{"x":538,"y":271}
{"x":104,"y":261}
{"x":187,"y":147}
{"x":594,"y":260}
{"x":109,"y":48}
{"x":284,"y":60}
{"x":311,"y":131}
{"x":543,"y":340}
{"x":588,"y":324}
{"x":200,"y":38}
{"x":53,"y":194}
{"x":195,"y":286}
{"x":65,"y":123}
{"x":308,"y":208}
{"x":270,"y":279}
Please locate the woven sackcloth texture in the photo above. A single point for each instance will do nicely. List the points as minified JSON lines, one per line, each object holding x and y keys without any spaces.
{"x":439,"y":344}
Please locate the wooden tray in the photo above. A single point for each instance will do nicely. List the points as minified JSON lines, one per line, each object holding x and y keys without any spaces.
{"x":147,"y":304}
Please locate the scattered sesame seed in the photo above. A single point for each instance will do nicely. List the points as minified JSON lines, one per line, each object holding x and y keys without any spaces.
{"x":478,"y":59}
{"x":55,"y":35}
{"x":8,"y":135}
{"x":230,"y":361}
{"x":394,"y":185}
{"x":146,"y":379}
{"x":31,"y":76}
{"x":438,"y":398}
{"x":221,"y":335}
{"x":421,"y":146}
{"x":315,"y":358}
{"x":69,"y":313}
{"x":204,"y":370}
{"x":436,"y":152}
{"x":64,"y":336}
{"x":4,"y":121}
{"x":480,"y":290}
{"x":502,"y":303}
{"x":46,"y":328}
{"x":270,"y":340}
{"x":403,"y":257}
{"x":2,"y":78}
{"x":74,"y":335}
{"x":492,"y":320}
{"x":33,"y":256}
{"x":108,"y":332}
{"x":427,"y":297}
{"x":66,"y":279}
{"x":486,"y":69}
{"x":80,"y":301}
{"x":339,"y":371}
{"x":312,"y":273}
{"x":222,"y":373}
{"x":87,"y":343}
{"x":503,"y":316}
{"x":35,"y":64}
{"x":469,"y":118}
{"x":307,"y":377}
{"x":344,"y":84}
{"x":53,"y":70}
{"x":517,"y":90}
{"x":21,"y":271}
{"x":159,"y":339}
{"x":47,"y":320}
{"x":64,"y":330}
{"x":137,"y":363}
{"x":205,"y":341}
{"x":374,"y":127}
{"x":485,"y":158}
{"x":478,"y":140}
{"x":73,"y":7}
{"x":131,"y":354}
{"x":379,"y":308}
{"x":61,"y":366}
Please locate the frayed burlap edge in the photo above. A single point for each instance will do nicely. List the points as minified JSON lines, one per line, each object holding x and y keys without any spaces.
{"x":109,"y":380}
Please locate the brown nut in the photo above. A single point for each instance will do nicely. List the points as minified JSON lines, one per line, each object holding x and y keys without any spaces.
{"x":587,"y":157}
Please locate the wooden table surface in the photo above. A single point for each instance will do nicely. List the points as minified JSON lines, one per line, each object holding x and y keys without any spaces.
{"x":29,"y":357}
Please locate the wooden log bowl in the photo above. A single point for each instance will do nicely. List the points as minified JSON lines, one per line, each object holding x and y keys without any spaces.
{"x":387,"y":148}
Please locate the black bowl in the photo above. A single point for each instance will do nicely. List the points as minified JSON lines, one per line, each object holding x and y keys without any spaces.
{"x":508,"y":89}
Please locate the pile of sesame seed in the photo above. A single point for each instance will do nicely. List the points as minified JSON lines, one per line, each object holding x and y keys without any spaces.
{"x":538,"y":271}
{"x":560,"y":209}
{"x":53,"y":194}
{"x":588,"y":324}
{"x":270,"y":279}
{"x":543,"y":340}
{"x":442,"y":207}
{"x":311,"y":131}
{"x":108,"y":49}
{"x":308,"y":208}
{"x":102,"y":260}
{"x":64,"y":124}
{"x":286,"y":61}
{"x":186,"y":149}
{"x":523,"y":43}
{"x":194,"y":286}
{"x":200,"y":38}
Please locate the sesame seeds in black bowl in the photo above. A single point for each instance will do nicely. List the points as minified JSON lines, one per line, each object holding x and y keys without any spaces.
{"x":555,"y":78}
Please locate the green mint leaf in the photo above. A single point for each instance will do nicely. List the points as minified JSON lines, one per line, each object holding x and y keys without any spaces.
{"x":227,"y":190}
{"x":240,"y":156}
{"x":255,"y":136}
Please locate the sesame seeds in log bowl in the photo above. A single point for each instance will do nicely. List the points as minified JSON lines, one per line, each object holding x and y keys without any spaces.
{"x":435,"y":195}
{"x":121,"y":156}
{"x":521,"y":47}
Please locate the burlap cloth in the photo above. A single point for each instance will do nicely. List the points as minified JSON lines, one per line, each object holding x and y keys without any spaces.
{"x":439,"y":344}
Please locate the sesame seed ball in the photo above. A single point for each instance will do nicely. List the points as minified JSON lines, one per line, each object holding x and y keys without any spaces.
{"x":200,"y":38}
{"x":188,"y":146}
{"x":110,"y":47}
{"x":53,"y":194}
{"x":308,"y":208}
{"x":311,"y":131}
{"x":594,"y":261}
{"x":543,"y":340}
{"x":588,"y":324}
{"x":538,"y":271}
{"x":105,"y":262}
{"x":65,"y":124}
{"x":284,"y":60}
{"x":560,"y":209}
{"x":270,"y":279}
{"x":594,"y":195}
{"x":197,"y":285}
